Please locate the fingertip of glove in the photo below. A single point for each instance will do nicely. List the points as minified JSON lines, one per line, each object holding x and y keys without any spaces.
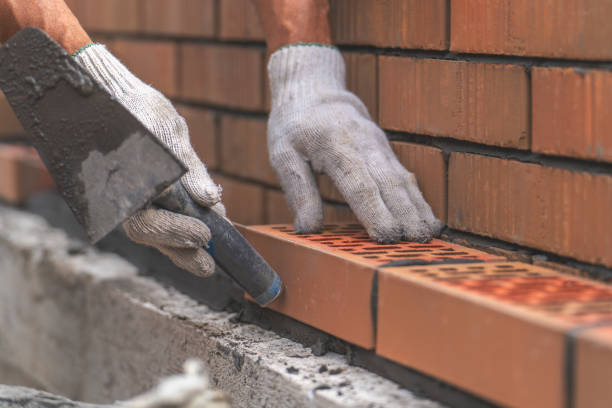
{"x":389,"y":235}
{"x":303,"y":225}
{"x":202,"y":265}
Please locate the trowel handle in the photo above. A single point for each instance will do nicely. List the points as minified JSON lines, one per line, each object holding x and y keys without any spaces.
{"x":229,"y":248}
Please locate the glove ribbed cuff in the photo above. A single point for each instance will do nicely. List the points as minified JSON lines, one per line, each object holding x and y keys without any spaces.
{"x":107,"y":70}
{"x":301,"y":68}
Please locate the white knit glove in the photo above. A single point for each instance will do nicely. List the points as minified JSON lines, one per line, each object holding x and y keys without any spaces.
{"x":178,"y":236}
{"x":316,"y":124}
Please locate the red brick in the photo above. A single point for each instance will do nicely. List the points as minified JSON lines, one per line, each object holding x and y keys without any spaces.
{"x":552,"y":209}
{"x":223,"y":75}
{"x":498,"y":330}
{"x":244,"y":201}
{"x":23,"y":173}
{"x":202,"y":132}
{"x":244,"y":150}
{"x":332,"y":212}
{"x":9,"y":124}
{"x":577,"y":29}
{"x":484,"y":103}
{"x":427,"y":164}
{"x":153,"y":62}
{"x":571,"y":112}
{"x":328,"y":189}
{"x":327,"y":279}
{"x":238,"y":20}
{"x":338,"y":213}
{"x":361,"y":71}
{"x":391,"y":23}
{"x":593,"y":360}
{"x":277,"y":210}
{"x":182,"y":17}
{"x":110,"y":15}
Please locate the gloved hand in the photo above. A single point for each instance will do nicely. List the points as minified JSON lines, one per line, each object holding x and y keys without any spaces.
{"x":178,"y":236}
{"x":317,"y":124}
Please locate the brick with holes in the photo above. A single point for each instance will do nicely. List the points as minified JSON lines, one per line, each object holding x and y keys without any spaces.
{"x":329,"y":276}
{"x":498,"y":330}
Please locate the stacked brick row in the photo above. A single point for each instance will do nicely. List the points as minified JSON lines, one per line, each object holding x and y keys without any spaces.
{"x":498,"y":107}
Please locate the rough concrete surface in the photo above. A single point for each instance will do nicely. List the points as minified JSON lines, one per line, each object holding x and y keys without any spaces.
{"x":83,"y":324}
{"x":19,"y":397}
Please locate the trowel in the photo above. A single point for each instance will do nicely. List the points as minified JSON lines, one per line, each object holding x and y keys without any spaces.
{"x":105,"y":163}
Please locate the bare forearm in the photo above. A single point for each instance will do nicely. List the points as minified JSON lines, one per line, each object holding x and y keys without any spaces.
{"x":52,"y":16}
{"x":291,"y":21}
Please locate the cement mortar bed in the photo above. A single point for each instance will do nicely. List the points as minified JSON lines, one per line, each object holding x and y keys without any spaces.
{"x":86,"y":326}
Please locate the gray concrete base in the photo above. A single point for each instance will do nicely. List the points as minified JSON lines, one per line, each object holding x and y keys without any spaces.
{"x":20,"y":397}
{"x":83,"y":324}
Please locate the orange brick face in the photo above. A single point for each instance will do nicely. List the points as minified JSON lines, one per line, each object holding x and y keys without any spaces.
{"x":390,"y":23}
{"x":328,"y":292}
{"x":277,"y":211}
{"x":22,"y":174}
{"x":183,"y":17}
{"x":552,"y":209}
{"x":109,"y":15}
{"x":485,"y":103}
{"x":577,"y":29}
{"x":153,"y":62}
{"x":593,"y":361}
{"x":9,"y":124}
{"x":244,"y":202}
{"x":203,"y":133}
{"x":427,"y":164}
{"x":571,"y":112}
{"x":223,"y":75}
{"x":244,"y":150}
{"x":238,"y":20}
{"x":333,"y":213}
{"x":508,"y":323}
{"x":361,"y":79}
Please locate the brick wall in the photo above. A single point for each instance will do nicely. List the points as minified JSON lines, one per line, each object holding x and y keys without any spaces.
{"x":500,"y":107}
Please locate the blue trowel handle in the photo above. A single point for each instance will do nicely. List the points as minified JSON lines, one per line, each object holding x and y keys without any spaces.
{"x":232,"y":251}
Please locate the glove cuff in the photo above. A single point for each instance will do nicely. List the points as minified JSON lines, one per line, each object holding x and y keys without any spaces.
{"x":105,"y":68}
{"x":300,"y":69}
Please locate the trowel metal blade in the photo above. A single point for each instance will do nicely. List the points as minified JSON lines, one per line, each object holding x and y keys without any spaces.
{"x":105,"y":163}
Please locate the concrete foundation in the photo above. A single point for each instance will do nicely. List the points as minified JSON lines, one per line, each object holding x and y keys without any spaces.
{"x":83,"y":324}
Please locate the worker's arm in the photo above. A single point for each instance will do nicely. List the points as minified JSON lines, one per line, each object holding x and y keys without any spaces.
{"x":317,"y":124}
{"x":179,"y":237}
{"x":51,"y":16}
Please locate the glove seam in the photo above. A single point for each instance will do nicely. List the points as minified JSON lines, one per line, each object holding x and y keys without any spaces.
{"x":83,"y":48}
{"x":308,"y":44}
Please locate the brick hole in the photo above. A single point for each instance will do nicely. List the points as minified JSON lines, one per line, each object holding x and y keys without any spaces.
{"x":371,"y":256}
{"x":403,"y":256}
{"x":324,"y":239}
{"x":476,"y":268}
{"x":369,"y":253}
{"x":449,"y":269}
{"x":381,"y":247}
{"x":412,"y":251}
{"x":501,"y":275}
{"x":426,"y":246}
